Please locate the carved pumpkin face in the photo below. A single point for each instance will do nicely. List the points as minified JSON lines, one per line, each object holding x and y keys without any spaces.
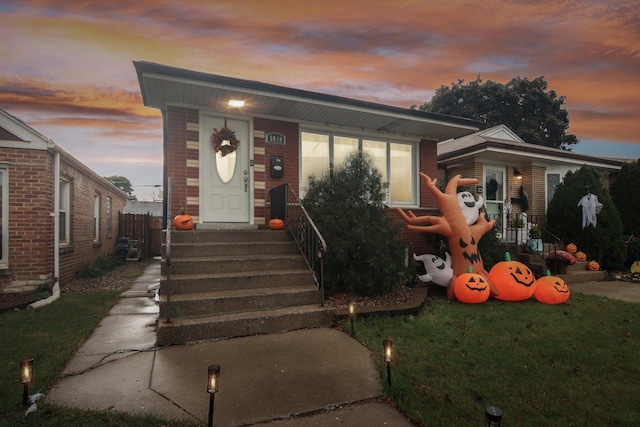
{"x":471,"y":288}
{"x":183,"y":222}
{"x":581,"y":256}
{"x":593,"y":265}
{"x":513,"y":280}
{"x":572,"y":248}
{"x":551,"y":290}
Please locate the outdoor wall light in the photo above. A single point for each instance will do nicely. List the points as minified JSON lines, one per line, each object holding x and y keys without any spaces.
{"x":236,"y":103}
{"x":388,"y":346}
{"x":26,"y":375}
{"x":517,"y":174}
{"x":212,"y":388}
{"x":352,"y":316}
{"x":493,"y":416}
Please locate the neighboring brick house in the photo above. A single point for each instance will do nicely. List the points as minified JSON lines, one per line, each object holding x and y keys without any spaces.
{"x":305,"y":133}
{"x":57,"y":215}
{"x":503,"y":163}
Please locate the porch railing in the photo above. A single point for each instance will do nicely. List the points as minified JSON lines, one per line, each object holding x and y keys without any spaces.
{"x":311,"y":243}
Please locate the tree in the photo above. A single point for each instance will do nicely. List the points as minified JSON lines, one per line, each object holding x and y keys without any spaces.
{"x":603,"y":243}
{"x":525,"y":106}
{"x":628,"y":206}
{"x":122,"y":183}
{"x":365,"y":253}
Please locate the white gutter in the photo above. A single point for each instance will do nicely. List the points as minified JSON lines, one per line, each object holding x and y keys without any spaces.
{"x":56,"y":236}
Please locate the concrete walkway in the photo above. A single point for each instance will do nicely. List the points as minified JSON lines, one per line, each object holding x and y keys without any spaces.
{"x":311,"y":377}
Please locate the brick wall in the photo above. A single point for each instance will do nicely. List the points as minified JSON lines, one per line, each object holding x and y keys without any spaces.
{"x":31,"y":225}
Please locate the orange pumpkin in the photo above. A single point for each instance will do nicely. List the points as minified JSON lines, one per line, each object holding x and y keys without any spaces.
{"x":513,"y":280}
{"x":572,"y":248}
{"x":551,"y":290}
{"x":276,"y":224}
{"x":581,"y":256}
{"x":471,"y":288}
{"x":183,"y":222}
{"x":593,"y":265}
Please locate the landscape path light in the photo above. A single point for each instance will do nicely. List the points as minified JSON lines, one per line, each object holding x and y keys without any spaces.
{"x":352,"y":316}
{"x":26,"y":375}
{"x":493,"y":416}
{"x":388,"y":347}
{"x":212,"y":388}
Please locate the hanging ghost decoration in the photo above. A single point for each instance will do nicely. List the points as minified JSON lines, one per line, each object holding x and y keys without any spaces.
{"x":469,"y":206}
{"x":438,"y":270}
{"x":463,"y":238}
{"x":590,"y":208}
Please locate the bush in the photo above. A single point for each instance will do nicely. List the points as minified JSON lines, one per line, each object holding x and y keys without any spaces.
{"x":365,"y":250}
{"x":628,"y":206}
{"x":101,"y":266}
{"x":604,"y":243}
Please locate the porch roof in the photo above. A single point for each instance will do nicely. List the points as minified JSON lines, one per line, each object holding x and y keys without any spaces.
{"x":163,"y":85}
{"x":500,"y":144}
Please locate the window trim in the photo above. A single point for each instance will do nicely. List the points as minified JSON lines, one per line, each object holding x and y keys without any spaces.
{"x":4,"y":258}
{"x":65,"y":198}
{"x":96,"y":217}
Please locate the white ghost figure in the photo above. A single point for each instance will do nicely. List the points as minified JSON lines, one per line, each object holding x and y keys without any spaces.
{"x":438,"y":270}
{"x":590,"y":207}
{"x":469,"y":206}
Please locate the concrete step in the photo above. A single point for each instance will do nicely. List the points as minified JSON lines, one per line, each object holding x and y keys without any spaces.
{"x":229,"y":236}
{"x":214,"y":249}
{"x":192,"y":329}
{"x":582,"y":276}
{"x":234,"y":263}
{"x":215,"y":303}
{"x":194,"y":283}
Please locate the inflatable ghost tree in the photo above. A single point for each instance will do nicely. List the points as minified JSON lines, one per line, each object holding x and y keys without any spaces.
{"x":463,"y":237}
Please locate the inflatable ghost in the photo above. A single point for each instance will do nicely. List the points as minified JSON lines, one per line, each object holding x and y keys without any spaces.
{"x":438,"y":270}
{"x":469,"y":206}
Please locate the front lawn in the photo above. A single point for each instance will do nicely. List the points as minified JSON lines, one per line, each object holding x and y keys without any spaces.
{"x":542,"y":365}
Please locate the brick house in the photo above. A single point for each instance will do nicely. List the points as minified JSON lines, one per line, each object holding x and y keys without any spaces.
{"x":503,"y":163}
{"x":286,"y":135}
{"x":57,"y":214}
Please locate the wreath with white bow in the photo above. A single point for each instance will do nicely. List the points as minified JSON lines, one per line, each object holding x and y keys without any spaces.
{"x":224,"y":140}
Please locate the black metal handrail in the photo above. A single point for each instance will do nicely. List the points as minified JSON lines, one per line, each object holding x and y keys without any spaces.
{"x":307,"y":236}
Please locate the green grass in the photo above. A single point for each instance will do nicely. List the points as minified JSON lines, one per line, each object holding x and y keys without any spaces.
{"x":51,"y":335}
{"x":567,"y":365}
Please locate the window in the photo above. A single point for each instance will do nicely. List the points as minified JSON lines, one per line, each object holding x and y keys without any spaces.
{"x":4,"y":217}
{"x":395,"y":161}
{"x":63,"y":212}
{"x":109,"y":218}
{"x":96,"y":217}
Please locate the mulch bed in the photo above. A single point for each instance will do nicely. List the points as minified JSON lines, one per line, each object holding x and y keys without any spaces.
{"x":397,"y":297}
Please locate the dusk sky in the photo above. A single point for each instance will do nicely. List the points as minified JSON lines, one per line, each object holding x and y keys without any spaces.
{"x":66,"y":66}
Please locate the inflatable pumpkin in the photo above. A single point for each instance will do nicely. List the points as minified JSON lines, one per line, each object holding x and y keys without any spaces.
{"x":183,"y":221}
{"x":593,"y":265}
{"x":572,"y":248}
{"x":513,"y":280}
{"x":276,"y":224}
{"x":471,"y":288}
{"x":635,"y":267}
{"x":551,"y":290}
{"x":581,"y":256}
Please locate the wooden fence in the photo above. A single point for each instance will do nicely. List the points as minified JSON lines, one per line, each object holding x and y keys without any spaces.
{"x":146,"y":229}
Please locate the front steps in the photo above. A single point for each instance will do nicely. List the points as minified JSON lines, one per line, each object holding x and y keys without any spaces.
{"x":576,"y":273}
{"x":230,"y":283}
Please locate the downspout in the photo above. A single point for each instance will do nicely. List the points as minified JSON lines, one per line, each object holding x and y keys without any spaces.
{"x":55,"y":291}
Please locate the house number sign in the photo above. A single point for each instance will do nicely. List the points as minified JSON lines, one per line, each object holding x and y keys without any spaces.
{"x":275,"y":138}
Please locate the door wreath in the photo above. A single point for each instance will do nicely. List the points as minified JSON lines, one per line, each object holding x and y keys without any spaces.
{"x":224,"y":140}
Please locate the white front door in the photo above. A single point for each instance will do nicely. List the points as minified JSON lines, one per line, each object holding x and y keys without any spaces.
{"x":224,"y":180}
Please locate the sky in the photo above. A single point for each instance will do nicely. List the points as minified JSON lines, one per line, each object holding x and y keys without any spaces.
{"x":66,"y":66}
